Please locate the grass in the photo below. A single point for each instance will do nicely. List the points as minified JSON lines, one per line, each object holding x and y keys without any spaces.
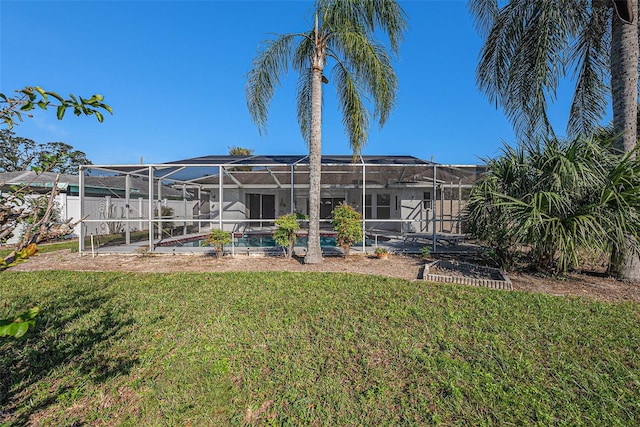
{"x":72,"y":244}
{"x":48,"y":247}
{"x":310,"y":349}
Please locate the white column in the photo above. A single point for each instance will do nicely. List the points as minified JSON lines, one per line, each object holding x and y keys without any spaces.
{"x":127,"y":190}
{"x":184,"y":202}
{"x":151,"y":208}
{"x":81,"y":213}
{"x":364,"y":209}
{"x":291,"y":208}
{"x":433,"y":208}
{"x":220,"y":205}
{"x":159,"y":209}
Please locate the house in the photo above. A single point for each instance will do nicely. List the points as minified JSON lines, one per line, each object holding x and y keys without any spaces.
{"x":396,"y":194}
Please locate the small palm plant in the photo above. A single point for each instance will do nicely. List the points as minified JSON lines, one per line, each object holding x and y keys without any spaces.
{"x":285,"y":235}
{"x":218,"y":239}
{"x":347,"y":223}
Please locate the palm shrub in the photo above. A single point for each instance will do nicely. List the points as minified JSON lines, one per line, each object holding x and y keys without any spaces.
{"x":555,"y":201}
{"x":285,"y":235}
{"x":347,"y":222}
{"x":218,"y":239}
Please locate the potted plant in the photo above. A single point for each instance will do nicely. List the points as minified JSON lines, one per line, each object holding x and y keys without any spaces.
{"x":217,"y":239}
{"x":285,"y":235}
{"x":347,"y":222}
{"x":381,"y":253}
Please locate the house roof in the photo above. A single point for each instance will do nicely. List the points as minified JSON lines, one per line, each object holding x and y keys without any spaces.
{"x":42,"y":180}
{"x":94,"y":185}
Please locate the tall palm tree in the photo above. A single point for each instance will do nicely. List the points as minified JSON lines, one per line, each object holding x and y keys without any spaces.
{"x":530,"y":45}
{"x":343,"y":33}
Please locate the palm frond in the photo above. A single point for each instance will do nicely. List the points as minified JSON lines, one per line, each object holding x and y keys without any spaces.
{"x":558,"y":199}
{"x":591,"y":56}
{"x":484,"y":13}
{"x":267,"y":68}
{"x":369,"y":62}
{"x":303,"y":102}
{"x":303,"y":52}
{"x":355,"y":115}
{"x":371,"y":15}
{"x":389,"y":17}
{"x":524,"y":58}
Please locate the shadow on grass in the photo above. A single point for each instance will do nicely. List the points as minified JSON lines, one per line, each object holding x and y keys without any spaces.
{"x":74,"y":343}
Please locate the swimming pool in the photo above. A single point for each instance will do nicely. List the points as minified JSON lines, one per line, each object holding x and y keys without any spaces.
{"x":256,"y":240}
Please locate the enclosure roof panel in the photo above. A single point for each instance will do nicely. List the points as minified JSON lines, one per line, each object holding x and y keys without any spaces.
{"x":276,"y":170}
{"x":299,"y":159}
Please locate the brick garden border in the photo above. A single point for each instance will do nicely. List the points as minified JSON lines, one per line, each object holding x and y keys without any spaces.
{"x":504,"y":283}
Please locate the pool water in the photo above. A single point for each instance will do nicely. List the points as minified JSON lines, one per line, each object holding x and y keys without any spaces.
{"x":267,"y":241}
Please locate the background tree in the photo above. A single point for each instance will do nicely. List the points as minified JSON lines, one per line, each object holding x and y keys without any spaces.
{"x":60,"y":158}
{"x":531,"y":45}
{"x":18,"y":153}
{"x":342,"y":32}
{"x":239,"y":151}
{"x":21,"y":154}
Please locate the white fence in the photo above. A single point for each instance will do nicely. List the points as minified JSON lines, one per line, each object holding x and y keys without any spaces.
{"x":109,"y":215}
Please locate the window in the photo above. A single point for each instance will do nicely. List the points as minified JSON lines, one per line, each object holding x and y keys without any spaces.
{"x":367,"y":206}
{"x":383,"y":206}
{"x":426,"y":200}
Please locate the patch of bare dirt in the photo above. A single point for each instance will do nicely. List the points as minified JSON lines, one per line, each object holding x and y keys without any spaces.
{"x":405,"y":267}
{"x":595,"y":287}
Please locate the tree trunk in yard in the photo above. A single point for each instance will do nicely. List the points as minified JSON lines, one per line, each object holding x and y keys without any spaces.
{"x":314,"y":252}
{"x":624,"y":93}
{"x":624,"y":80}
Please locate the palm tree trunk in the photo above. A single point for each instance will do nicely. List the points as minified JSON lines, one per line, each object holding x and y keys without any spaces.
{"x":314,"y":252}
{"x":624,"y":93}
{"x":624,"y":80}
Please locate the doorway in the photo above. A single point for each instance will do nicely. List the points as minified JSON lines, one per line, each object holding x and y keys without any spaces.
{"x":261,"y":206}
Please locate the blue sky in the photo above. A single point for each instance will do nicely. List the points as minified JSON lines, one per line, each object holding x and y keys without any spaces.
{"x":174,"y":73}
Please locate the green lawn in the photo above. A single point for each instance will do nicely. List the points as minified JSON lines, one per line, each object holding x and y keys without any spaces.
{"x":310,"y":349}
{"x":47,"y":247}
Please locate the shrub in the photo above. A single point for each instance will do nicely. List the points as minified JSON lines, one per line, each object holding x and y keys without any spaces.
{"x":219,"y":238}
{"x":285,"y":235}
{"x":554,"y":201}
{"x":348,"y":226}
{"x":425,"y":252}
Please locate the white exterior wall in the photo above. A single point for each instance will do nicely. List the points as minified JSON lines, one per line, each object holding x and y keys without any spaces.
{"x":233,"y":209}
{"x":419,"y":218}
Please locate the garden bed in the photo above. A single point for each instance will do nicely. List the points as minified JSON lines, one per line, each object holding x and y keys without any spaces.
{"x":466,"y":273}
